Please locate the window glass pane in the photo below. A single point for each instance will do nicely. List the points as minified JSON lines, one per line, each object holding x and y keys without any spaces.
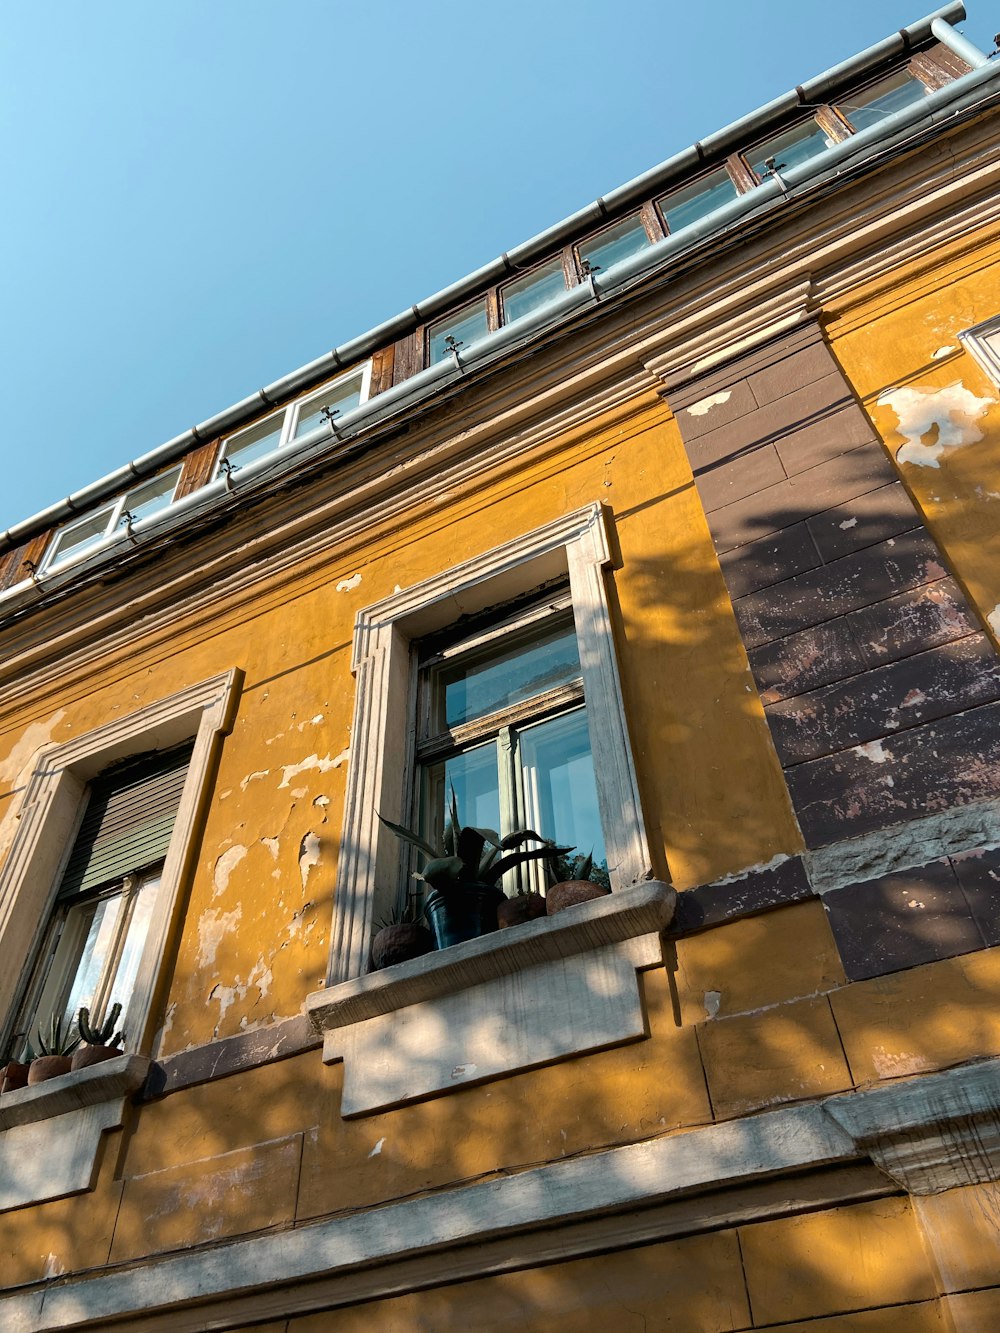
{"x":477,"y":790}
{"x":465,"y":326}
{"x":75,"y":539}
{"x":616,"y":243}
{"x":538,"y":288}
{"x":123,"y":982}
{"x":681,"y":208}
{"x":256,"y":442}
{"x":883,"y":100}
{"x":152,"y":495}
{"x":340,"y":396}
{"x":471,"y":688}
{"x":790,"y":149}
{"x":87,"y":942}
{"x":560,"y":793}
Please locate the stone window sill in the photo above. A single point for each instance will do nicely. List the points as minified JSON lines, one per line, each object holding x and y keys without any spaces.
{"x":511,"y":1000}
{"x":50,"y":1134}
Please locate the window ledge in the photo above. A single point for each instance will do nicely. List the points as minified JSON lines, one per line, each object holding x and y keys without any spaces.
{"x":511,"y":1000}
{"x":105,"y":1082}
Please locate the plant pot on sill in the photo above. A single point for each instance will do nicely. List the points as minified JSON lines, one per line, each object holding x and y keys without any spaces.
{"x":573,"y":891}
{"x":85,"y":1056}
{"x":400,"y":942}
{"x":462,"y":913}
{"x":14,"y":1075}
{"x":44,"y":1067}
{"x":521,"y":908}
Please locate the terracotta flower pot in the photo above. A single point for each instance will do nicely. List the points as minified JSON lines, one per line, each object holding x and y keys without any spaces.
{"x":44,"y":1067}
{"x":524,"y":907}
{"x":573,"y":891}
{"x":396,"y":944}
{"x":85,"y":1056}
{"x":14,"y":1075}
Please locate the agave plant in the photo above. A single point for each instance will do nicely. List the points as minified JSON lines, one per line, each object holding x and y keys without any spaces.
{"x":55,"y":1041}
{"x":472,"y":857}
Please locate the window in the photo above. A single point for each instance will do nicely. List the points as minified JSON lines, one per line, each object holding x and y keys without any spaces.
{"x":80,"y":536}
{"x":682,"y":208}
{"x":466,"y":326}
{"x":416,"y":668}
{"x":536,"y":289}
{"x":283,"y":428}
{"x":502,"y":720}
{"x":790,"y":149}
{"x":111,"y":888}
{"x":983,"y":342}
{"x":611,"y":246}
{"x":104,"y":904}
{"x":884,"y":99}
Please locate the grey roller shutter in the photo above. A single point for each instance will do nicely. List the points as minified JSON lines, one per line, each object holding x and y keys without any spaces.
{"x":128,"y":821}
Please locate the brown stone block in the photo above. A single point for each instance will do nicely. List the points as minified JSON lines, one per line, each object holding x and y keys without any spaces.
{"x":864,"y":521}
{"x":882,"y":700}
{"x":720,"y":406}
{"x":932,"y":1017}
{"x":912,"y":621}
{"x":901,"y":921}
{"x":243,"y":1191}
{"x":978,"y":872}
{"x":832,"y":590}
{"x":792,"y":373}
{"x":757,"y":961}
{"x":961,"y":1228}
{"x":954,"y":761}
{"x":739,"y":476}
{"x":780,"y":556}
{"x":678,"y":1286}
{"x":785,"y":1054}
{"x":741,"y":895}
{"x":836,"y":430}
{"x":801,"y":496}
{"x":804,"y":661}
{"x":832,"y":1262}
{"x":812,"y":405}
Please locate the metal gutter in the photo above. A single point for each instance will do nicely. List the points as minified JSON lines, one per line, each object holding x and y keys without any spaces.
{"x":633,"y":192}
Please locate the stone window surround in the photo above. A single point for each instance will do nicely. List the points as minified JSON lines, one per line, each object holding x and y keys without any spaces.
{"x":982,"y":342}
{"x":50,"y":812}
{"x":382,"y":770}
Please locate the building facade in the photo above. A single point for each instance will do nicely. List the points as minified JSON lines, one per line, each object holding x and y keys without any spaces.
{"x":674,"y":534}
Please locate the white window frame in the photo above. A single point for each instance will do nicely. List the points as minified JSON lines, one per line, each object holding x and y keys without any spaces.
{"x":52,"y":807}
{"x":52,"y":561}
{"x":382,"y":767}
{"x":982,"y":342}
{"x":290,"y":414}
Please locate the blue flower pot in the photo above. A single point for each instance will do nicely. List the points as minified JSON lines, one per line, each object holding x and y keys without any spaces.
{"x":462,"y":914}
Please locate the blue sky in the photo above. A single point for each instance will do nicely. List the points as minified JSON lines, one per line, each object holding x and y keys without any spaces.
{"x":202,"y":195}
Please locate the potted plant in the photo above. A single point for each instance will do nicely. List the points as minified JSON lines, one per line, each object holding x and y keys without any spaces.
{"x":99,"y":1044}
{"x":583,"y":883}
{"x":13,"y":1073}
{"x":56,"y":1048}
{"x":463,"y":874}
{"x":400,"y":937}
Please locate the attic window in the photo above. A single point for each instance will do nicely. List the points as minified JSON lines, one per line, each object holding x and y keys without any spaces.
{"x":83,"y":534}
{"x":883,"y":100}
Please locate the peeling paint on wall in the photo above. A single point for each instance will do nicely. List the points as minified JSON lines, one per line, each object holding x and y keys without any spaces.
{"x":346,"y":585}
{"x":16,"y":768}
{"x":225,"y":866}
{"x":932,"y":420}
{"x":213,"y":927}
{"x":290,"y":771}
{"x":309,"y":851}
{"x":254,"y":777}
{"x":272,"y":845}
{"x":702,"y":408}
{"x":943,"y":351}
{"x":875,"y":752}
{"x":343,"y":757}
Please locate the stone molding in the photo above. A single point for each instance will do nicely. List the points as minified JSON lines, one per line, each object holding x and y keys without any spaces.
{"x":682,"y":1183}
{"x":50,"y":1134}
{"x":510,"y":1001}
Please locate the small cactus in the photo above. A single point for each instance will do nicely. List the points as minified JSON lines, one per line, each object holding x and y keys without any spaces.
{"x":55,"y":1041}
{"x":100,"y":1036}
